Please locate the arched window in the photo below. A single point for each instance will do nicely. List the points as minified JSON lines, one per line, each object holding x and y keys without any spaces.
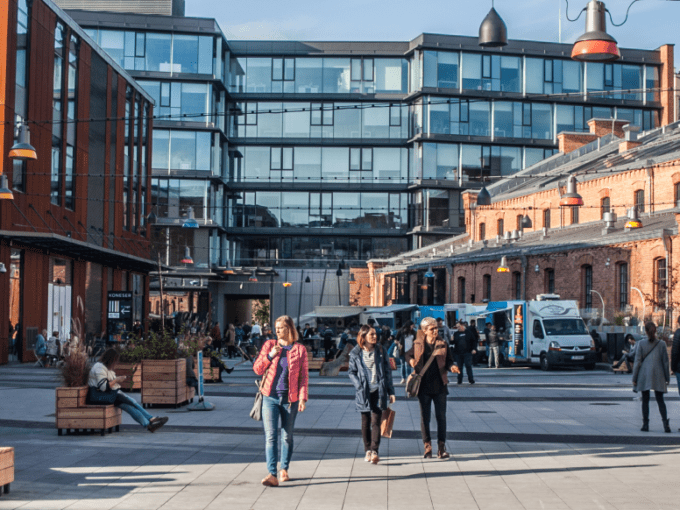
{"x":519,"y":221}
{"x":622,"y":276}
{"x":677,"y":194}
{"x":546,"y":218}
{"x":587,"y":276}
{"x":605,"y":206}
{"x":550,"y":281}
{"x":640,"y":200}
{"x":487,"y":287}
{"x":500,"y":227}
{"x":517,"y":284}
{"x":482,"y":231}
{"x":461,"y":289}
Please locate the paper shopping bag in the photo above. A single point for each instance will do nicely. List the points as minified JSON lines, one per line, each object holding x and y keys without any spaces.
{"x":387,"y":423}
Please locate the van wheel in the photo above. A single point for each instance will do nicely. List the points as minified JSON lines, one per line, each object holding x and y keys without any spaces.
{"x":545,"y":365}
{"x":590,"y":366}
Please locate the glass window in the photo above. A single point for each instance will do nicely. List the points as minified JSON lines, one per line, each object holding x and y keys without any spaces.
{"x":161,"y":149}
{"x":623,"y":286}
{"x":472,"y":71}
{"x":652,"y":83}
{"x":185,"y":54}
{"x":511,"y":74}
{"x":430,"y":69}
{"x":541,"y":121}
{"x":205,"y":55}
{"x":503,"y":119}
{"x":595,"y":75}
{"x":256,"y":163}
{"x":604,"y":206}
{"x":572,"y":76}
{"x":546,"y":218}
{"x":183,"y":150}
{"x":505,"y":160}
{"x":534,"y":75}
{"x":259,"y":75}
{"x":440,"y":161}
{"x":336,"y":74}
{"x":391,"y":75}
{"x":157,"y":56}
{"x":640,"y":200}
{"x":308,"y":163}
{"x":386,"y":164}
{"x":376,"y":121}
{"x":113,"y":42}
{"x":631,"y":79}
{"x":564,"y":118}
{"x":480,"y":123}
{"x":335,"y":163}
{"x":475,"y":162}
{"x":269,"y":125}
{"x":295,"y":121}
{"x":194,"y":101}
{"x":348,"y":121}
{"x":308,"y":75}
{"x":294,"y":209}
{"x":448,"y":70}
{"x":346,"y":210}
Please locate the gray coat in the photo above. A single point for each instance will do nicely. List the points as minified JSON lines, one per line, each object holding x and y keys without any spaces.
{"x":652,"y":373}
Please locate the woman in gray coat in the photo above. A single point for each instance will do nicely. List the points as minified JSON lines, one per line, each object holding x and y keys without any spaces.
{"x":651,"y":372}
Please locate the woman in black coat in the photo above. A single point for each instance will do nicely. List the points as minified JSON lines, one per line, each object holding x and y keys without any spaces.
{"x":369,"y":371}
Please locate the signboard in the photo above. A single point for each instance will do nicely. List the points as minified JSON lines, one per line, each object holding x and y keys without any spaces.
{"x":200,"y":375}
{"x":119,"y":315}
{"x":518,"y":348}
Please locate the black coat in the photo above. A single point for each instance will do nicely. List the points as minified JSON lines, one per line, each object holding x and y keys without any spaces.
{"x":675,"y":352}
{"x":360,"y":377}
{"x":464,"y":342}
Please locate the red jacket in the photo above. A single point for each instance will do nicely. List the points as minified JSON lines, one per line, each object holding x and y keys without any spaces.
{"x":298,"y":372}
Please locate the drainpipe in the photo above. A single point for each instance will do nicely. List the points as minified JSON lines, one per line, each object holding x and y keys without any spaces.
{"x":650,"y":174}
{"x":524,"y":260}
{"x":450,"y":283}
{"x":668,"y":246}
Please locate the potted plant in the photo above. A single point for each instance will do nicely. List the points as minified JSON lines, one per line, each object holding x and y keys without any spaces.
{"x":164,"y":370}
{"x":130,"y":364}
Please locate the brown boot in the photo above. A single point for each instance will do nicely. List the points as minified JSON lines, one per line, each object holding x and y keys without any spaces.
{"x":428,"y":450}
{"x":441,"y":450}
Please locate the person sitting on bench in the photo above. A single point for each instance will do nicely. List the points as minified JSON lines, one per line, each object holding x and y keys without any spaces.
{"x":628,"y":356}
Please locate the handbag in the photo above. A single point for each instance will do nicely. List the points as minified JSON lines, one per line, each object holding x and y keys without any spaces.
{"x":393,"y":364}
{"x":101,"y":398}
{"x":256,"y":411}
{"x":387,"y":423}
{"x":413,"y":381}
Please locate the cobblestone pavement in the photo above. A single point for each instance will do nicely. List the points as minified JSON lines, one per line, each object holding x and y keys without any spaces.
{"x":519,"y":438}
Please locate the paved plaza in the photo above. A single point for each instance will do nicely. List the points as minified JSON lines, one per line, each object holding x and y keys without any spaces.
{"x":519,"y":439}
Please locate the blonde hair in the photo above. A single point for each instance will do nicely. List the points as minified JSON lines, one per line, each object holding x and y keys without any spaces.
{"x":292,"y":330}
{"x":427,"y":321}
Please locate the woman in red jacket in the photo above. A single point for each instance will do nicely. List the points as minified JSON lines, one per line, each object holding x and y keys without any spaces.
{"x":285,"y":390}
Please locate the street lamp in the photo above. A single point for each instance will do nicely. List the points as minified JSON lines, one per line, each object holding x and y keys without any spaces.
{"x":600,"y":296}
{"x":492,"y":32}
{"x":642,"y":297}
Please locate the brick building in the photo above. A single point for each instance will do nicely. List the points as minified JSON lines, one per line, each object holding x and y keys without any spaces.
{"x":72,"y":228}
{"x":579,"y":253}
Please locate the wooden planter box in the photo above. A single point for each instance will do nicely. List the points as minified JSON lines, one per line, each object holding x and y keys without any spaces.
{"x":210,"y":374}
{"x":6,"y":468}
{"x":165,"y":382}
{"x":73,"y":414}
{"x":133,"y":371}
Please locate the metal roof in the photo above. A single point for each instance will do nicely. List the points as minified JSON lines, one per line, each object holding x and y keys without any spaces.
{"x":392,"y":309}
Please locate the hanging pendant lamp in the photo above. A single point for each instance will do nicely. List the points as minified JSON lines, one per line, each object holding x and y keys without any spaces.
{"x":571,"y":198}
{"x":430,"y":273}
{"x":23,"y":150}
{"x":5,"y":192}
{"x":596,"y":45}
{"x":492,"y":32}
{"x":253,"y":276}
{"x":503,"y":268}
{"x":483,"y":198}
{"x":633,"y":219}
{"x":190,"y":222}
{"x":187,"y":256}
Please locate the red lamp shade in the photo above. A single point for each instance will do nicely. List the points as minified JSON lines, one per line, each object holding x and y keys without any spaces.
{"x":571,"y":198}
{"x":596,"y":45}
{"x":287,"y":284}
{"x":187,"y":257}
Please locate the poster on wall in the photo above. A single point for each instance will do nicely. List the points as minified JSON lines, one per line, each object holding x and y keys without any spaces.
{"x":119,"y":316}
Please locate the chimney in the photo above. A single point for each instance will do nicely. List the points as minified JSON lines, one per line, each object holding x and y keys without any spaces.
{"x":602,"y":127}
{"x":569,"y":142}
{"x":630,"y":140}
{"x":609,"y":222}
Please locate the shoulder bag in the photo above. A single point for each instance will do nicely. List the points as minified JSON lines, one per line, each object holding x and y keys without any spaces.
{"x":413,"y":381}
{"x":98,"y":397}
{"x":256,"y":411}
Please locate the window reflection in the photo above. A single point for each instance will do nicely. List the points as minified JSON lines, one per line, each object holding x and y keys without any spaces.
{"x":181,"y":150}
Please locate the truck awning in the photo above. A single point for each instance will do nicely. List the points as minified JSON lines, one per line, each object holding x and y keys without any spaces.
{"x":392,"y":309}
{"x":333,"y":312}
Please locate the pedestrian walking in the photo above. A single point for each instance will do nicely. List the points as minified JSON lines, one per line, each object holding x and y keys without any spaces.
{"x":464,"y":348}
{"x":104,"y":388}
{"x":230,"y":340}
{"x":216,"y":335}
{"x":494,"y":345}
{"x":651,"y":372}
{"x":405,"y":337}
{"x":444,"y":331}
{"x":675,"y":355}
{"x":285,"y":390}
{"x":369,"y":371}
{"x":434,"y":383}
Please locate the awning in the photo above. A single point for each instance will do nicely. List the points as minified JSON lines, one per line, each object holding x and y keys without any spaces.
{"x":392,"y":309}
{"x":70,"y":247}
{"x":332,"y":312}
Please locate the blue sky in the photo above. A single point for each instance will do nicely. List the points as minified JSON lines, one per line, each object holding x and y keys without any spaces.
{"x":651,"y":22}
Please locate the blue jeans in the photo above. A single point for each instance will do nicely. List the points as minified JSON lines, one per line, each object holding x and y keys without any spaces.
{"x":405,"y":368}
{"x":130,"y":406}
{"x":464,"y":359}
{"x":272,"y":409}
{"x":677,"y":376}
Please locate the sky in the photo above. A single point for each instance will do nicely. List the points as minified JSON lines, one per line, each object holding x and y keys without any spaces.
{"x":651,"y":23}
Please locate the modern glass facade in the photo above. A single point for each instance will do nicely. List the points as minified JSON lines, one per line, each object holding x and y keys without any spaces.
{"x":296,"y":152}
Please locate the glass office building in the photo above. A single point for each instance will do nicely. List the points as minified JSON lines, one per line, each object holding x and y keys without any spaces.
{"x":298,"y":155}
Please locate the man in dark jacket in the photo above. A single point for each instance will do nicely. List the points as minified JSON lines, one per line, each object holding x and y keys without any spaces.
{"x":464,"y":347}
{"x":675,"y":355}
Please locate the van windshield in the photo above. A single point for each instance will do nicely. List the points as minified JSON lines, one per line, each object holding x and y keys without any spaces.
{"x":556,"y":327}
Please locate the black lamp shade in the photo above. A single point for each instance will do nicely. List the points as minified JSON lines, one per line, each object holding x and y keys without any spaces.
{"x":492,"y":32}
{"x":484,"y":198}
{"x":23,"y":150}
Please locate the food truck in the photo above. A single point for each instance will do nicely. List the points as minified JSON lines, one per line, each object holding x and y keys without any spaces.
{"x":393,"y":316}
{"x":547,"y":331}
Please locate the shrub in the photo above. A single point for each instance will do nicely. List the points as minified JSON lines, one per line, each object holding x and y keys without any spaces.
{"x":75,"y":369}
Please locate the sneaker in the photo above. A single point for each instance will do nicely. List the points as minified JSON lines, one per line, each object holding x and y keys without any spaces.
{"x":375,"y":458}
{"x":156,"y":422}
{"x":472,"y":382}
{"x":368,"y":456}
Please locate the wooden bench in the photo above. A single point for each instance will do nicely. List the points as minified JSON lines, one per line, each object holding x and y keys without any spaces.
{"x":72,"y":413}
{"x":6,"y":468}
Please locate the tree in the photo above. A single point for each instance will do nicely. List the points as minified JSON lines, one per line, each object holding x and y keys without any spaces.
{"x":260,"y":311}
